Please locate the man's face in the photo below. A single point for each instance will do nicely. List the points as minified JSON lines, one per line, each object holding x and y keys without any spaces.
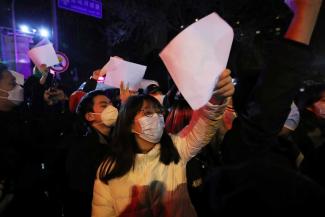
{"x":7,"y":83}
{"x":318,"y":108}
{"x":100,"y":103}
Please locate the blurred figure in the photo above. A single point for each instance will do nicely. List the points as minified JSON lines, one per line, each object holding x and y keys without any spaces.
{"x":310,"y":134}
{"x":54,"y":96}
{"x":11,"y":93}
{"x":35,"y":86}
{"x":24,"y":186}
{"x":256,"y":179}
{"x":11,"y":96}
{"x":286,"y":144}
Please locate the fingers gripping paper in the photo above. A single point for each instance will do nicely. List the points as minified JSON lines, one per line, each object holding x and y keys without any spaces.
{"x":43,"y":53}
{"x":197,"y":56}
{"x":118,"y":70}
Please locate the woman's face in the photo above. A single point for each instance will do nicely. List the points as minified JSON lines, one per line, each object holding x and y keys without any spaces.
{"x":318,"y":108}
{"x":147,"y":109}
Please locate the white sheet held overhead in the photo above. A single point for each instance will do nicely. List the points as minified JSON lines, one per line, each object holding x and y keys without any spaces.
{"x":118,"y":70}
{"x":43,"y":53}
{"x":196,"y":57}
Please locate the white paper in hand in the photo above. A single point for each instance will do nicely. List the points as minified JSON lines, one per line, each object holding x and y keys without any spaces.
{"x":197,"y":56}
{"x":43,"y":53}
{"x":118,"y":70}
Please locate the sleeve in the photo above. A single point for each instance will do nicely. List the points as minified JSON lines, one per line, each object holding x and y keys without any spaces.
{"x":255,"y":130}
{"x":102,"y":204}
{"x":200,"y":131}
{"x":293,"y":119}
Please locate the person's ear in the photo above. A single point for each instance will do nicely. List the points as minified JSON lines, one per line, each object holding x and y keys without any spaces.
{"x":90,"y":116}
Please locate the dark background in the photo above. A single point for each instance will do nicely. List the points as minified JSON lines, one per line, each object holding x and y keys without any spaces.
{"x":137,"y":30}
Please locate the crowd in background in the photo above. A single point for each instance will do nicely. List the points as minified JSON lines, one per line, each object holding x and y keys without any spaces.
{"x":116,"y":152}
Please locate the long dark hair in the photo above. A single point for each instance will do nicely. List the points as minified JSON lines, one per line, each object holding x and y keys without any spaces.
{"x":310,"y":95}
{"x":124,"y":147}
{"x":179,"y":117}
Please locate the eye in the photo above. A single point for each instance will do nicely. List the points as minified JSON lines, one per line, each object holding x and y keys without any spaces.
{"x":148,"y":114}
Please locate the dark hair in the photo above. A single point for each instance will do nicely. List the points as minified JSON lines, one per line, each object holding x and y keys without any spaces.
{"x":87,"y":103}
{"x":179,"y":116}
{"x":310,"y":95}
{"x":114,"y":95}
{"x":124,"y":147}
{"x":152,"y":89}
{"x":3,"y":68}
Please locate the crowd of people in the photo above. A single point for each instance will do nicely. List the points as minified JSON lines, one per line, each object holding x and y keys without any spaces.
{"x":256,"y":148}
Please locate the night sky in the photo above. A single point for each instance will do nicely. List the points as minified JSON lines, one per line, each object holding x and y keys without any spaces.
{"x":138,"y":29}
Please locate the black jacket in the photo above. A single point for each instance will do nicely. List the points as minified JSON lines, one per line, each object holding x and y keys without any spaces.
{"x":256,"y":180}
{"x":84,"y":155}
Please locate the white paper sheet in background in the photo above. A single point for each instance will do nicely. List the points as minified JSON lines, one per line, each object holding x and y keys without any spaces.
{"x":118,"y":70}
{"x":196,"y":57}
{"x":44,"y":41}
{"x":19,"y":77}
{"x":44,"y":54}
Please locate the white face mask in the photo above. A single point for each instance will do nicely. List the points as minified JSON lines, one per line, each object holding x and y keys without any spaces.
{"x":16,"y":95}
{"x":109,"y":116}
{"x":152,"y":128}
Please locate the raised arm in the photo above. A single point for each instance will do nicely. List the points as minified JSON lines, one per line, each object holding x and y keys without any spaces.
{"x":304,"y":20}
{"x":255,"y":131}
{"x":205,"y":121}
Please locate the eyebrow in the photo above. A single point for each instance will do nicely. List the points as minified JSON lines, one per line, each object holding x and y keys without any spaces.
{"x":104,"y":102}
{"x":147,"y":107}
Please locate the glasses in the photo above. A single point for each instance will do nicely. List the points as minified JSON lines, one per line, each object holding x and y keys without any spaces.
{"x":151,"y":112}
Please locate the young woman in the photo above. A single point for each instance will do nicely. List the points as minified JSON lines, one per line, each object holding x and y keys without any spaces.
{"x":145,"y":175}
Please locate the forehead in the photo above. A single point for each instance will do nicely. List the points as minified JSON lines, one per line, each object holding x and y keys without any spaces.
{"x":148,"y":105}
{"x":101,"y":99}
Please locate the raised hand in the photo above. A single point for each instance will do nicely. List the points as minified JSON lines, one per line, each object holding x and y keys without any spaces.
{"x":224,"y":87}
{"x":125,"y":92}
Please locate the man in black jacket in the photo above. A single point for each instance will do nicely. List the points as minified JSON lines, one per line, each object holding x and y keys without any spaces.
{"x":86,"y":150}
